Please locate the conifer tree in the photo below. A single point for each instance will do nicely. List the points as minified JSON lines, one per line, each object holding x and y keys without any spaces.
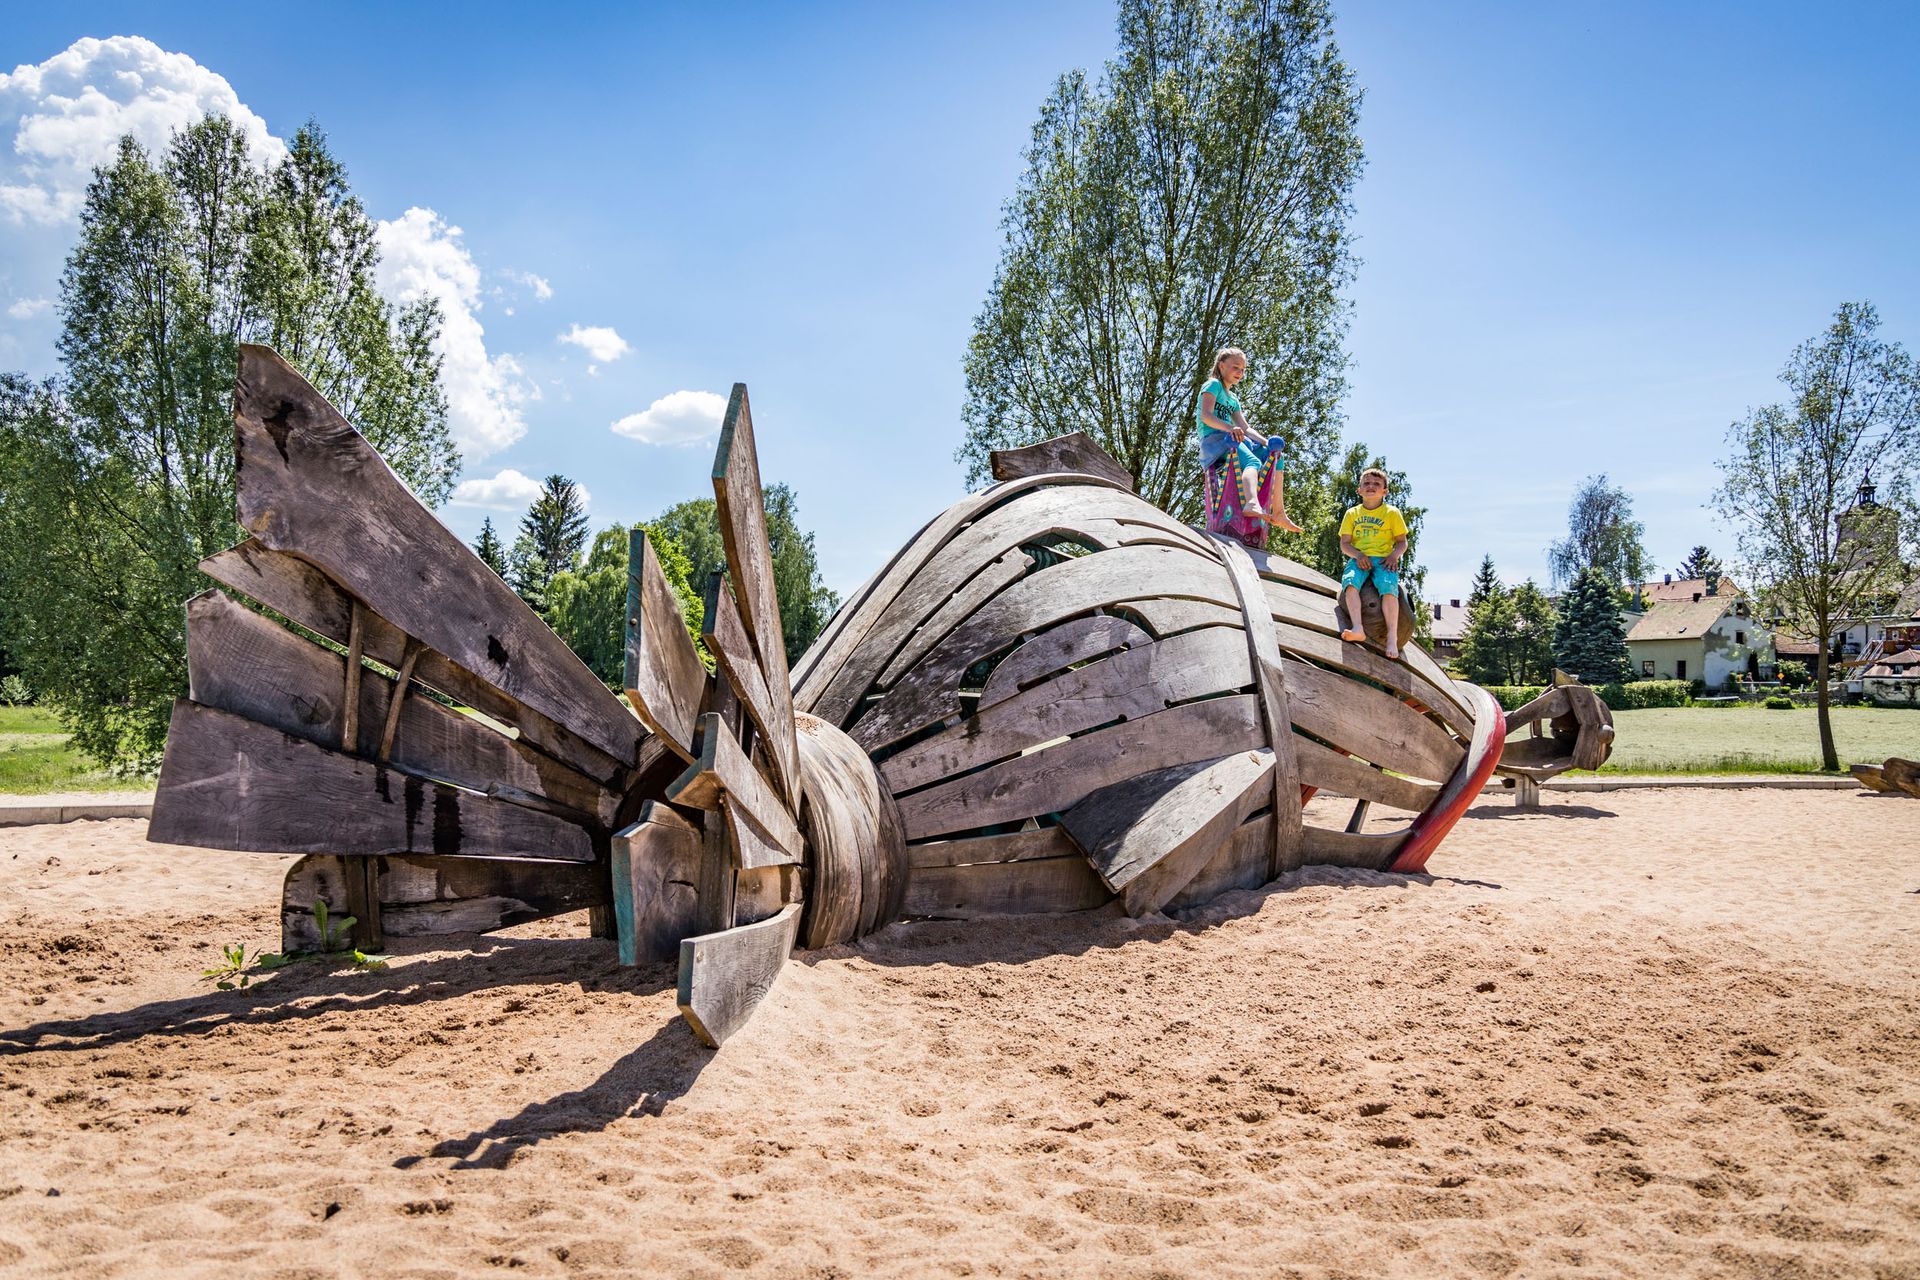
{"x":1534,"y":621}
{"x":1590,"y":641}
{"x":1699,"y":563}
{"x":487,"y":547}
{"x":1492,"y":636}
{"x":552,"y":534}
{"x":1485,"y":582}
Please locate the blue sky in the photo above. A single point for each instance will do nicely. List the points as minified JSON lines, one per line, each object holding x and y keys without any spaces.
{"x":1589,"y":236}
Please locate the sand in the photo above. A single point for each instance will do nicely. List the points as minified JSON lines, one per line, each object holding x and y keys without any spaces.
{"x":1638,"y":1033}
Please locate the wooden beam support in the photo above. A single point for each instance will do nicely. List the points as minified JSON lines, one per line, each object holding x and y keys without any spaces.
{"x":1075,"y":453}
{"x":733,"y":652}
{"x":724,"y":975}
{"x":656,"y":877}
{"x":350,"y":703}
{"x":401,"y":682}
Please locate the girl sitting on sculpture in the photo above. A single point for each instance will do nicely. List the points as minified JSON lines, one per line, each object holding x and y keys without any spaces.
{"x":1254,"y":464}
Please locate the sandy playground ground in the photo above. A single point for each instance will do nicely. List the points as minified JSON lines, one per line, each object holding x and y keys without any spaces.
{"x":1660,"y":1033}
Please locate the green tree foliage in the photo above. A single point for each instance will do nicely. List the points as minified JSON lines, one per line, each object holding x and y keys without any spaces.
{"x":553,"y":531}
{"x":805,"y":602}
{"x":1195,"y":198}
{"x":1589,"y":640}
{"x":1537,"y":620}
{"x":116,"y":480}
{"x":487,"y":547}
{"x":1813,"y":551}
{"x":587,"y":606}
{"x":1510,"y":634}
{"x":1699,"y":563}
{"x":1601,"y":534}
{"x":1485,"y":582}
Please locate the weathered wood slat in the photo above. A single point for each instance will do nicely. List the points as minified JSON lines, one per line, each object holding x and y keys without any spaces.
{"x":1054,"y":780}
{"x":1282,"y":569}
{"x":297,"y":590}
{"x":228,"y":783}
{"x":665,"y":679}
{"x":244,"y":662}
{"x":1361,"y":660}
{"x":761,"y":892}
{"x":723,"y":770}
{"x":1373,"y":725}
{"x":928,"y":694}
{"x":1073,"y":453}
{"x":1170,"y":615}
{"x":1039,"y":886}
{"x":1132,"y":683}
{"x":1242,"y":861}
{"x":421,"y":895}
{"x":308,"y":483}
{"x":1015,"y":846}
{"x":1054,"y":650}
{"x":854,"y":832}
{"x":994,"y":577}
{"x":1301,"y":606}
{"x":726,"y":635}
{"x":1483,"y":756}
{"x":742,"y":511}
{"x":1149,"y":835}
{"x":751,"y":844}
{"x":1274,"y":688}
{"x":402,"y":685}
{"x":1367,"y":852}
{"x":725,"y":975}
{"x":1329,"y":770}
{"x":656,"y":873}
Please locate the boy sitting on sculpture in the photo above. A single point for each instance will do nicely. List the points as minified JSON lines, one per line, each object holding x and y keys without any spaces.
{"x":1373,"y":536}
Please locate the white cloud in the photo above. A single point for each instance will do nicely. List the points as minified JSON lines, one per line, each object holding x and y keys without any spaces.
{"x":421,"y":256}
{"x":542,"y":291}
{"x":508,"y":491}
{"x":685,"y":417}
{"x":28,"y":308}
{"x":67,"y":114}
{"x":598,"y":341}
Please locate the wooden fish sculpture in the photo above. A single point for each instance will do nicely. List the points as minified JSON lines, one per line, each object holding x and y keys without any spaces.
{"x":1054,"y":697}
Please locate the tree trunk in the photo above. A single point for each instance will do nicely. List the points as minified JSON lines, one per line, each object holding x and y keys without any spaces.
{"x":1829,"y":759}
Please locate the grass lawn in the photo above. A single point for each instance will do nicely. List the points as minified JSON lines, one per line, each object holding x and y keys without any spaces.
{"x":36,"y":758}
{"x":1755,"y":740}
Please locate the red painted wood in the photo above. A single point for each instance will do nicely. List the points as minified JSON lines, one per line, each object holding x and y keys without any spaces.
{"x":1432,"y":826}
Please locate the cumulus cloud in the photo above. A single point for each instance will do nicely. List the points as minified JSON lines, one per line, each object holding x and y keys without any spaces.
{"x":421,"y":255}
{"x":61,"y":118}
{"x":542,"y":291}
{"x":508,"y":491}
{"x":28,"y":308}
{"x":598,"y":341}
{"x":684,"y":417}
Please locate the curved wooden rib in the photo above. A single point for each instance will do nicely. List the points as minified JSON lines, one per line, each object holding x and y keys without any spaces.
{"x":1270,"y":677}
{"x":854,"y":833}
{"x":1057,"y":648}
{"x":1483,"y":753}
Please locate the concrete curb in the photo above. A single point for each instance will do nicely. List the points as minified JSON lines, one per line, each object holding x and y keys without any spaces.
{"x":1722,"y":782}
{"x":27,"y":811}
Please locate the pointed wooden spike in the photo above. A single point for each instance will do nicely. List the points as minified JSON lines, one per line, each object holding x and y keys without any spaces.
{"x":733,"y":651}
{"x":1072,"y":454}
{"x":722,"y":775}
{"x":309,"y":484}
{"x":1149,"y":835}
{"x":725,"y":975}
{"x":665,"y":679}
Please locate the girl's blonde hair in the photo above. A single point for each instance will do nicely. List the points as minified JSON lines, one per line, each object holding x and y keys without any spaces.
{"x":1222,"y":354}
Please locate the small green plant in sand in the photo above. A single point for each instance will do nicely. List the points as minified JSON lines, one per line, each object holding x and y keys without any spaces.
{"x":231,"y":972}
{"x":236,"y":967}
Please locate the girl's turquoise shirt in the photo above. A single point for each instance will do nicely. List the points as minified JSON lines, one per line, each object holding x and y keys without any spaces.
{"x":1225,"y":404}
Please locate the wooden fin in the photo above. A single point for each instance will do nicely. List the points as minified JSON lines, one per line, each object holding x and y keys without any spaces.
{"x":656,"y":872}
{"x":421,"y":895}
{"x":1149,"y":835}
{"x":722,"y":774}
{"x":308,"y":483}
{"x":725,"y":975}
{"x":1254,"y":594}
{"x":1080,"y":640}
{"x":733,"y":651}
{"x":1072,"y":454}
{"x":228,"y":783}
{"x":665,"y":679}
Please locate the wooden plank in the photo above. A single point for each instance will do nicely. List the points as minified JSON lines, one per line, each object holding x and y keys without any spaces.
{"x":1057,"y":778}
{"x":1301,"y":606}
{"x":350,"y":703}
{"x":850,"y":626}
{"x":1369,"y":852}
{"x":665,"y":679}
{"x":1075,"y":453}
{"x":714,"y":890}
{"x":1130,"y":684}
{"x":1363,"y":721}
{"x":948,"y":588}
{"x":1329,"y":770}
{"x":363,"y":904}
{"x":722,"y":769}
{"x":1149,"y":835}
{"x":1052,"y":651}
{"x":402,"y":683}
{"x":1039,"y":886}
{"x":1015,"y":846}
{"x":1271,"y":677}
{"x":1869,"y":776}
{"x":1483,"y":756}
{"x":228,"y":783}
{"x":930,"y":692}
{"x":1281,"y":569}
{"x":296,"y":590}
{"x":1170,"y":615}
{"x":1360,"y":660}
{"x":760,"y":892}
{"x":1241,"y":861}
{"x":308,"y":483}
{"x":656,"y":870}
{"x":421,"y":895}
{"x":741,"y":507}
{"x":856,"y":845}
{"x":726,"y":636}
{"x":241,"y":661}
{"x":725,"y":975}
{"x":750,"y":843}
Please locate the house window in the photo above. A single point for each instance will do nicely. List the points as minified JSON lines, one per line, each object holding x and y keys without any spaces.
{"x":1739,"y":637}
{"x":1646,"y":666}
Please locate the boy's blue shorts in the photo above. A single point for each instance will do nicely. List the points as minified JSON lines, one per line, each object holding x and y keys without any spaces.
{"x":1385,"y":579}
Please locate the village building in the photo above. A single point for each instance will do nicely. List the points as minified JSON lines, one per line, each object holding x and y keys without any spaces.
{"x":1895,"y":678}
{"x":1713,"y":638}
{"x":1449,"y":626}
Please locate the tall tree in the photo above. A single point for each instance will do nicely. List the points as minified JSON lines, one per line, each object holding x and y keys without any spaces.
{"x":1195,"y":197}
{"x":1535,"y":621}
{"x":1492,"y":639}
{"x":1699,"y":563}
{"x":487,"y":547}
{"x":1589,"y":640}
{"x":1485,"y":582}
{"x":118,"y":479}
{"x":1601,"y":535}
{"x":552,"y":533}
{"x":1817,"y":545}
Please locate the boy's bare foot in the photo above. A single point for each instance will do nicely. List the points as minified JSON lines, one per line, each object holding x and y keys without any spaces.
{"x":1393,"y":653}
{"x":1355,"y":637}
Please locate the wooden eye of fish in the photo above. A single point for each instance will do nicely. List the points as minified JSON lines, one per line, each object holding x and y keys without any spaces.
{"x":1054,"y":697}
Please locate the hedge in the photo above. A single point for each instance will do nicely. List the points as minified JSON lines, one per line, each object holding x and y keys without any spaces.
{"x":1636,"y":696}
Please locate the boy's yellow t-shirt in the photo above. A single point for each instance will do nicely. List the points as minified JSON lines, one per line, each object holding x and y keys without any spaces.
{"x":1374,"y":532}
